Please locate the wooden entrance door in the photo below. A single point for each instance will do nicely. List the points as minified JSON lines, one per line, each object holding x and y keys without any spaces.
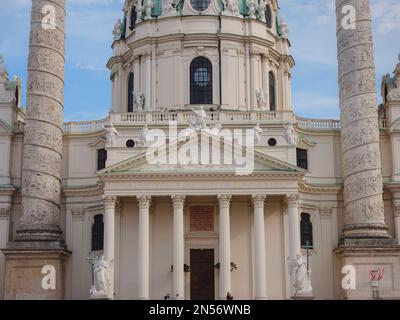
{"x":202,"y":285}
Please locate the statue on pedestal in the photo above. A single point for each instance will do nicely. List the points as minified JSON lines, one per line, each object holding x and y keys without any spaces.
{"x":139,"y":100}
{"x":257,"y":134}
{"x":252,"y":9}
{"x":117,"y":30}
{"x":394,"y":92}
{"x":200,"y":119}
{"x":260,"y":99}
{"x":102,"y":276}
{"x":111,"y":132}
{"x":143,"y":136}
{"x":290,"y":135}
{"x":300,"y":276}
{"x":148,"y":7}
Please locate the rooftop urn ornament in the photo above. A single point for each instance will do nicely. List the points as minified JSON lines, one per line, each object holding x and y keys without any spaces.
{"x":117,"y":30}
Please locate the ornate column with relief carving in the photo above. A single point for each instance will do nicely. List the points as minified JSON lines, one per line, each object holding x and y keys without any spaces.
{"x":361,"y":156}
{"x":178,"y":202}
{"x":144,"y":247}
{"x":224,"y":245}
{"x":41,"y":170}
{"x":259,"y":247}
{"x":39,"y":239}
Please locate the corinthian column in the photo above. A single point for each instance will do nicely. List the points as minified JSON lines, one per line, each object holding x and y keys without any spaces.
{"x":41,"y":169}
{"x":364,"y":211}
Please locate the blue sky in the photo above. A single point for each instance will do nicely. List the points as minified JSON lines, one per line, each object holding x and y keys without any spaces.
{"x":89,"y":37}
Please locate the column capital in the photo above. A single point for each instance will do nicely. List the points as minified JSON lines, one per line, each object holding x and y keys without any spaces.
{"x":292,"y":199}
{"x":78,"y":214}
{"x":5,"y":213}
{"x":325,"y":212}
{"x":108,"y":198}
{"x":144,"y":201}
{"x":396,"y":205}
{"x":258,"y":200}
{"x":224,"y":200}
{"x":178,"y":200}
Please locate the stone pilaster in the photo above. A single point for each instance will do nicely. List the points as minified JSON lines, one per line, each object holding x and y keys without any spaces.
{"x":364,"y":210}
{"x":41,"y":169}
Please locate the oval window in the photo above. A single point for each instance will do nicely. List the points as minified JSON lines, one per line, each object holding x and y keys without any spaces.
{"x":200,"y":5}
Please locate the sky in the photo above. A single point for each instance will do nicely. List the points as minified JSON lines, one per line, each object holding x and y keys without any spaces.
{"x":89,"y":38}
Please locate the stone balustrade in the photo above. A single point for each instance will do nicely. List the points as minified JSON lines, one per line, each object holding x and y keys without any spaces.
{"x":223,"y":117}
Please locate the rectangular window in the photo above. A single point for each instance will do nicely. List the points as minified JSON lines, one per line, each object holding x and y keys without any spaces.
{"x":101,"y":158}
{"x":302,"y":158}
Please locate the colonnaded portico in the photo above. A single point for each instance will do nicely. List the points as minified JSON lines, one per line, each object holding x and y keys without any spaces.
{"x":150,"y":192}
{"x":222,"y":245}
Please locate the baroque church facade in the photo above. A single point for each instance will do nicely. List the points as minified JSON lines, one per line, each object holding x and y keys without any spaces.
{"x":152,"y":201}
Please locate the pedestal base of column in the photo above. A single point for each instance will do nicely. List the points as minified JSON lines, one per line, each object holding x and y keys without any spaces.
{"x":366,"y":258}
{"x":303,"y":297}
{"x":365,"y":231}
{"x":24,"y":279}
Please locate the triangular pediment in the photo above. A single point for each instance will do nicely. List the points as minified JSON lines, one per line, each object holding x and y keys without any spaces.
{"x":165,"y":160}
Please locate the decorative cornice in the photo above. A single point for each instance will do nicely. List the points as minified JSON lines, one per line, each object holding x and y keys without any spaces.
{"x":79,"y":191}
{"x":319,"y":188}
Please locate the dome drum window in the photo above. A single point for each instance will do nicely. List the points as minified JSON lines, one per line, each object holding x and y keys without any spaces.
{"x":200,"y":5}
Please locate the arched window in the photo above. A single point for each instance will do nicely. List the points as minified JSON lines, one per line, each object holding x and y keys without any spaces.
{"x":272,"y":91}
{"x":306,"y":231}
{"x":98,"y":233}
{"x":268,"y":16}
{"x":133,"y":18}
{"x":201,"y":81}
{"x":130,"y":92}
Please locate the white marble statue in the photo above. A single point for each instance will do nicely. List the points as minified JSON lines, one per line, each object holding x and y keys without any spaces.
{"x":257,"y":134}
{"x":3,"y":71}
{"x":139,"y":11}
{"x":117,"y":30}
{"x":231,"y":8}
{"x":102,"y":270}
{"x":111,"y":132}
{"x":284,"y":29}
{"x":290,"y":135}
{"x":261,"y":10}
{"x":216,"y":130}
{"x":301,"y":277}
{"x":200,"y":118}
{"x":169,"y":7}
{"x":148,"y":9}
{"x":144,"y":136}
{"x":394,"y":93}
{"x":252,"y":9}
{"x":261,"y":99}
{"x":139,"y":100}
